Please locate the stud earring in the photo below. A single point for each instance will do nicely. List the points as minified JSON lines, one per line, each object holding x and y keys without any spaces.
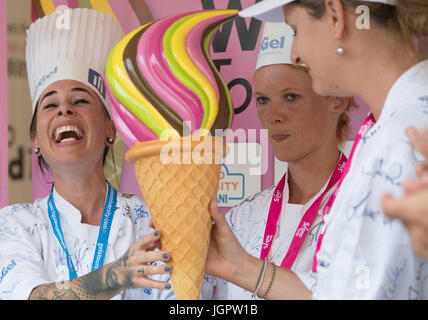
{"x":110,"y":140}
{"x":340,"y":51}
{"x":335,"y":115}
{"x":36,"y":150}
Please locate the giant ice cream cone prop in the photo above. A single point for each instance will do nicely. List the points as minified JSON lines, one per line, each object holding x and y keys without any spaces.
{"x":167,"y":98}
{"x":178,"y":195}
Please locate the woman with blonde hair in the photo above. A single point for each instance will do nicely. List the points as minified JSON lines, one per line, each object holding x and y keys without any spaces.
{"x":281,"y":224}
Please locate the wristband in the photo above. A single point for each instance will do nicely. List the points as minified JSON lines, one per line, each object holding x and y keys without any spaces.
{"x":260,"y":279}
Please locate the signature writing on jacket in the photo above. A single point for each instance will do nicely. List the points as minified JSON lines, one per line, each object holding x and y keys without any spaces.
{"x":362,"y":210}
{"x":391,"y":175}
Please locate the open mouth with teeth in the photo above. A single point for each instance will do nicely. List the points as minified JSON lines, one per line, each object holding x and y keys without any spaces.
{"x":67,"y":134}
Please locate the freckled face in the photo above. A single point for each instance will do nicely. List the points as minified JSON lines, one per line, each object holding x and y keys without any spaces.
{"x":72,"y":125}
{"x":298,"y":120}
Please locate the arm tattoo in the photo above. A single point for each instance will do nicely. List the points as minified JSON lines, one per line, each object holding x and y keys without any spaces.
{"x":103,"y":283}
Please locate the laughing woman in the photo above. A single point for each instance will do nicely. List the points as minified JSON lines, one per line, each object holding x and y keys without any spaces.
{"x":85,"y":240}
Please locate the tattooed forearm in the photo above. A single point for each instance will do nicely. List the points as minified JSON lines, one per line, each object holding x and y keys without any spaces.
{"x":103,"y":283}
{"x":51,"y":292}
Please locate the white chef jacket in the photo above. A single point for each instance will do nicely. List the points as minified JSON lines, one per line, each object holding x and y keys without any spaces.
{"x":30,"y":254}
{"x":248,"y":222}
{"x":364,"y":254}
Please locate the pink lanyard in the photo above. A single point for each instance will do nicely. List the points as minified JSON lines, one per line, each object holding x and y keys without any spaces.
{"x":365,"y":127}
{"x":305,"y":222}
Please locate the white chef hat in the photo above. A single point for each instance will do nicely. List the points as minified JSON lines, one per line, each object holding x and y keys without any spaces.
{"x":73,"y":44}
{"x":271,"y":10}
{"x":275,"y":46}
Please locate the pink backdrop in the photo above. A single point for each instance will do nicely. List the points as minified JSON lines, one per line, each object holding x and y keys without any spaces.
{"x":3,"y":108}
{"x":234,"y":49}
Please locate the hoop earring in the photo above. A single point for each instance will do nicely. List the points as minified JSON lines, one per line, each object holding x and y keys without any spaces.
{"x":37,"y":151}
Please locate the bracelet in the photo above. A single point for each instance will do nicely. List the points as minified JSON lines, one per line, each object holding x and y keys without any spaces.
{"x":271,"y":281}
{"x":260,"y":279}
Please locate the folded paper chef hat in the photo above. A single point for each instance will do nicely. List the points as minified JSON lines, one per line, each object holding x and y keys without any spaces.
{"x":271,"y":10}
{"x":275,"y":46}
{"x":72,"y":44}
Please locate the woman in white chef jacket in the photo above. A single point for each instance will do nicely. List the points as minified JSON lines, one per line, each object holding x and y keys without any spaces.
{"x":361,"y":254}
{"x":85,"y":240}
{"x":281,"y":224}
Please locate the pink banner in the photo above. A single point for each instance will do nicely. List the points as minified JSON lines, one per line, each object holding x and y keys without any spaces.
{"x":125,"y":15}
{"x":4,"y":193}
{"x":234,"y":50}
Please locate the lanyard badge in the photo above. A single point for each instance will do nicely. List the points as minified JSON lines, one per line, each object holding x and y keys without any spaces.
{"x":305,"y":222}
{"x":103,"y":235}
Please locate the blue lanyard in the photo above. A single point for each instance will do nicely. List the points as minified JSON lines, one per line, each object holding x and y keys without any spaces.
{"x":100,"y":248}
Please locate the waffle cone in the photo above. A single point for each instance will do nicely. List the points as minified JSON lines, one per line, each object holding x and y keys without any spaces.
{"x":178,"y":179}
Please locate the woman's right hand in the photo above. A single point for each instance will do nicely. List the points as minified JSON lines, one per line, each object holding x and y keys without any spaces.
{"x":130,"y":271}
